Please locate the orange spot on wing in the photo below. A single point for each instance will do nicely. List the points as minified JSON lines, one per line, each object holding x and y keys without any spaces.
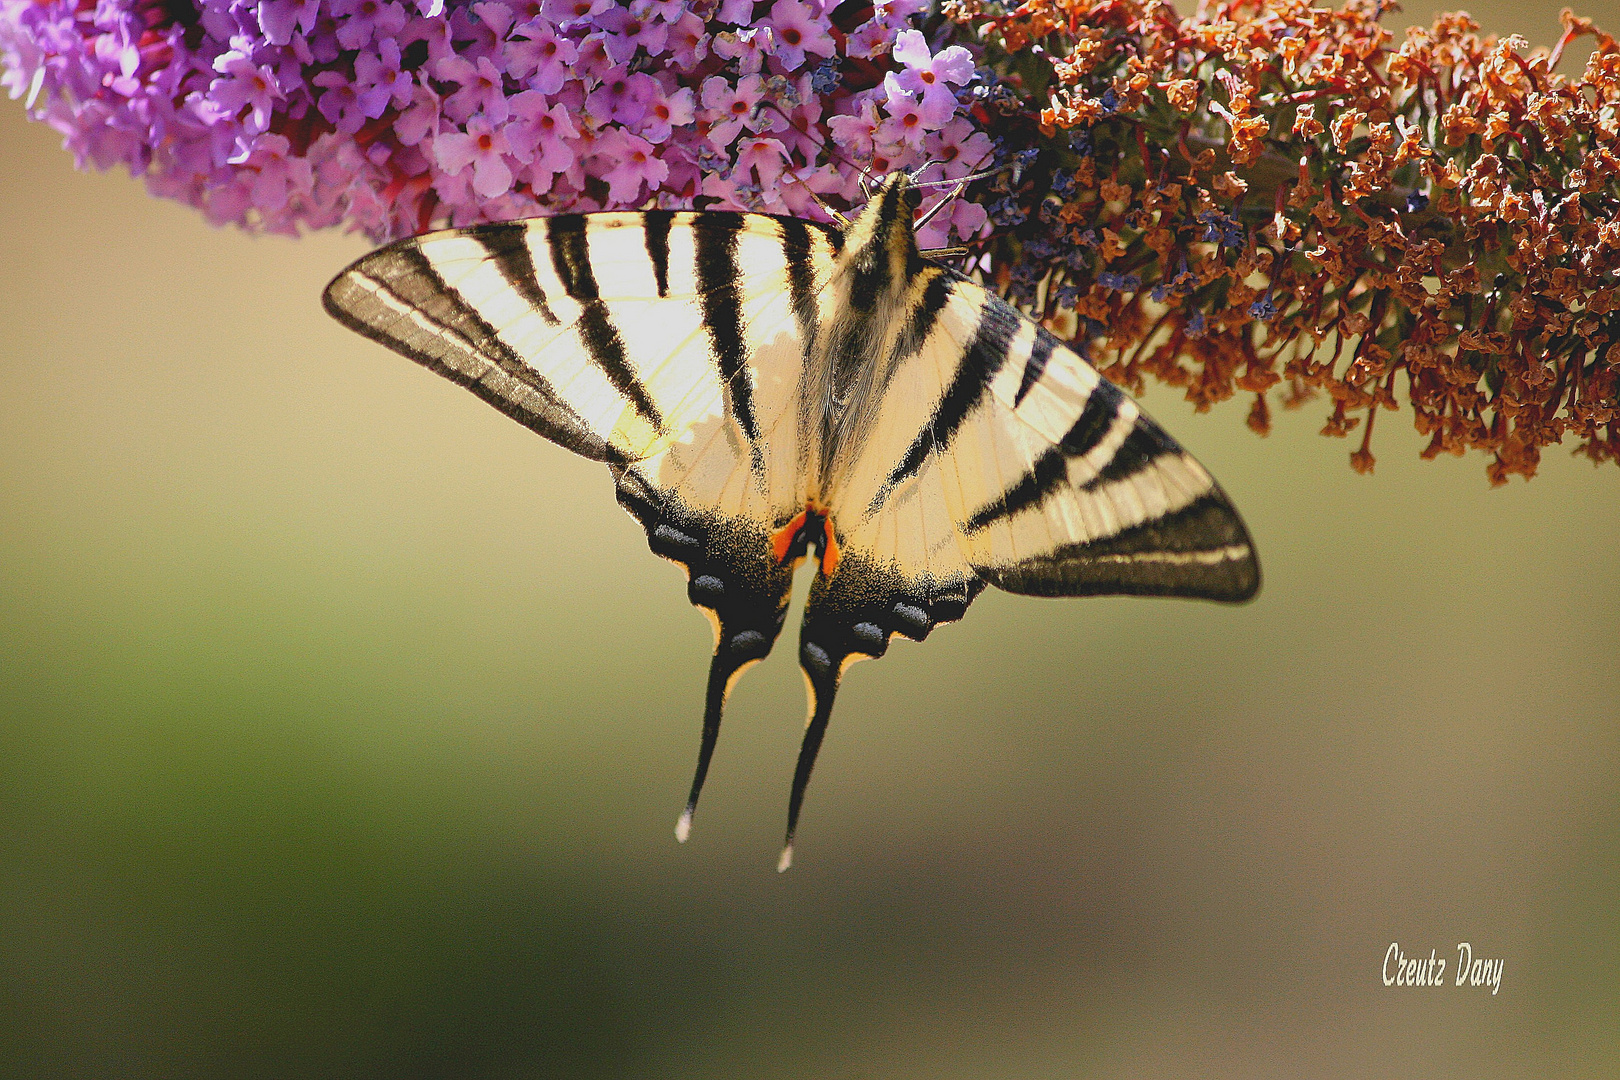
{"x":829,"y":548}
{"x":782,"y":540}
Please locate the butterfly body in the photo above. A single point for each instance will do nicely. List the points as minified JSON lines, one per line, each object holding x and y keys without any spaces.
{"x":761,"y":388}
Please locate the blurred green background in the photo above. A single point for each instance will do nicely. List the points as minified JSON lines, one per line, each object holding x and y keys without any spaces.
{"x":343,"y":724}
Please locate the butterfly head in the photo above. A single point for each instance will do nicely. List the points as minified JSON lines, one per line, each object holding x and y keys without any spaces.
{"x":891,"y":212}
{"x":881,"y":243}
{"x":905,"y":187}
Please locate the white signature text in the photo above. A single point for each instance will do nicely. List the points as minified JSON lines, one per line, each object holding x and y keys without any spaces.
{"x":1400,"y":969}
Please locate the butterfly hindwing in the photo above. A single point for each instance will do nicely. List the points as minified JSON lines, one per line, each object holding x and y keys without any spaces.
{"x":998,"y":456}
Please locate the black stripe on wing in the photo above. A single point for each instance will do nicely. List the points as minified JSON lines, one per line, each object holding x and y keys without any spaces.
{"x":413,"y":278}
{"x":1201,"y":550}
{"x":458,"y":335}
{"x":873,"y":271}
{"x":1050,"y":471}
{"x":980,"y":362}
{"x":655,"y":234}
{"x":1036,"y":364}
{"x":801,"y":277}
{"x":719,"y":283}
{"x":508,"y":247}
{"x":1144,"y":445}
{"x":571,"y":259}
{"x":936,"y":294}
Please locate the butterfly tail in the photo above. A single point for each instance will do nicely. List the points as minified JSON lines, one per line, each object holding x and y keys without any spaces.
{"x":821,"y":675}
{"x":735,"y":651}
{"x":852,"y":614}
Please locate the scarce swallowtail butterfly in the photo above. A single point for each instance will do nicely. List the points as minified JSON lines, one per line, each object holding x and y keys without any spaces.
{"x":762,"y":388}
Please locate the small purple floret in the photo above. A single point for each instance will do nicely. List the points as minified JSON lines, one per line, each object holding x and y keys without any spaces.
{"x":396,"y":116}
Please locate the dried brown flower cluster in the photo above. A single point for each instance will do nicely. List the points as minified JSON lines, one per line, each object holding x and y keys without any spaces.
{"x":1275,"y":198}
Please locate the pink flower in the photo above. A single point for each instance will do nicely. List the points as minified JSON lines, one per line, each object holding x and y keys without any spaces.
{"x":565,"y":13}
{"x":343,"y":105}
{"x":730,"y":107}
{"x":872,"y":39}
{"x":929,"y":75}
{"x":383,"y":72}
{"x":482,"y":88}
{"x":365,"y":19}
{"x":906,"y":125}
{"x":421,"y":119}
{"x":436,"y":32}
{"x":541,"y":132}
{"x":765,"y":157}
{"x":633,"y":29}
{"x":797,"y":33}
{"x":473,"y":35}
{"x":277,"y":18}
{"x":278,"y":176}
{"x":665,"y":112}
{"x":723,"y":188}
{"x":492,"y":104}
{"x":541,"y":57}
{"x":668,"y":10}
{"x":244,"y":84}
{"x":623,"y":98}
{"x":481,"y":146}
{"x":854,"y":133}
{"x":800,"y":131}
{"x":594,"y":62}
{"x":748,"y":47}
{"x":962,"y":220}
{"x":958,"y":146}
{"x":496,"y":16}
{"x":969,"y":219}
{"x":688,"y":40}
{"x":637,"y":163}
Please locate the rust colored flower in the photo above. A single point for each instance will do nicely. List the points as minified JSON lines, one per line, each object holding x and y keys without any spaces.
{"x":1271,"y":198}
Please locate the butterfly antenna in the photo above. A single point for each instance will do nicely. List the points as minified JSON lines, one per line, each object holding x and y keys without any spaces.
{"x":965,"y":180}
{"x":911,"y":177}
{"x":932,"y":211}
{"x":842,"y":221}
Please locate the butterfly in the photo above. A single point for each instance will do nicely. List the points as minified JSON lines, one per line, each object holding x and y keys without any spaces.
{"x":767,"y":389}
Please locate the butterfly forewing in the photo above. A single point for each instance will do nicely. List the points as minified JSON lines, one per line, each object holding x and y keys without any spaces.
{"x":1066,"y":488}
{"x":603,"y":332}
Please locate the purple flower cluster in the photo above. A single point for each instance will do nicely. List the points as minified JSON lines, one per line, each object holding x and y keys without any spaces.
{"x":392,"y":116}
